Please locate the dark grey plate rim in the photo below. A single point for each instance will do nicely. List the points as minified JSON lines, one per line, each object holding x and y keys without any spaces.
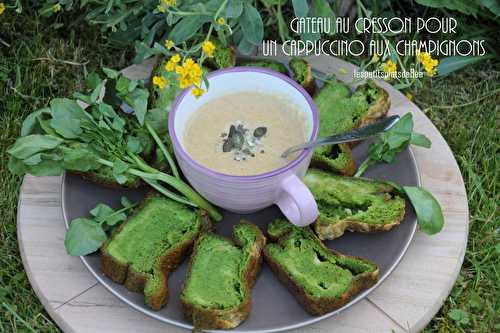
{"x":281,"y":329}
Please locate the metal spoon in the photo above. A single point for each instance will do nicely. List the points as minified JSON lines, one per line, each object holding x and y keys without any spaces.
{"x":354,"y":135}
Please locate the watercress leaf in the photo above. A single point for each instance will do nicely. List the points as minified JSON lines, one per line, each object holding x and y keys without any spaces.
{"x":251,"y":24}
{"x":61,"y":107}
{"x":66,"y":126}
{"x":138,"y":100}
{"x":110,"y":73}
{"x":29,"y":145}
{"x":107,"y":110}
{"x":80,"y":159}
{"x":31,"y":122}
{"x":16,"y":166}
{"x":83,"y":237}
{"x":133,"y":145}
{"x":120,"y":178}
{"x":126,"y":203}
{"x":101,"y":211}
{"x":429,"y":215}
{"x":234,"y":8}
{"x":119,"y":166}
{"x":93,"y":80}
{"x":96,"y":92}
{"x":46,"y":168}
{"x":421,"y":140}
{"x":300,"y":8}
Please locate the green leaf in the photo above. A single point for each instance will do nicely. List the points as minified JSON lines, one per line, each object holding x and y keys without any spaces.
{"x":134,"y":145}
{"x":492,"y":5}
{"x":60,"y":107}
{"x":119,"y":166}
{"x":467,"y":7}
{"x":83,"y":237}
{"x":186,"y":28}
{"x":138,"y":100}
{"x":429,"y":215}
{"x":300,"y":8}
{"x":421,"y":140}
{"x":125,"y":202}
{"x":251,"y":25}
{"x":80,"y":159}
{"x":31,"y":121}
{"x":321,"y":8}
{"x":234,"y":8}
{"x":110,"y":73}
{"x":29,"y":145}
{"x":66,"y":126}
{"x":459,"y":316}
{"x":122,"y":84}
{"x":93,"y":80}
{"x":47,"y":167}
{"x":451,"y":64}
{"x":158,"y":119}
{"x":101,"y":211}
{"x":16,"y":166}
{"x":245,"y":47}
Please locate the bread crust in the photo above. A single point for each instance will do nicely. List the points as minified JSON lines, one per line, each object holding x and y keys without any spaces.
{"x":335,"y":230}
{"x":321,"y":162}
{"x":204,"y":318}
{"x":317,"y":306}
{"x":135,"y":281}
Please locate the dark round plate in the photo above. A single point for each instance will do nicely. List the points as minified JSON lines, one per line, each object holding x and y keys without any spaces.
{"x":273,"y":307}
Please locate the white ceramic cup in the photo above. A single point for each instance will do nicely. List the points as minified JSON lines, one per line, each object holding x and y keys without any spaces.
{"x":247,"y":194}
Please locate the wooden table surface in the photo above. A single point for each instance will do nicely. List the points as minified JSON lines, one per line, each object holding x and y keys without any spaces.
{"x":405,"y":302}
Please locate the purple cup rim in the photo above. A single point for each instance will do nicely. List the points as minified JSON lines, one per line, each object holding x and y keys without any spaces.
{"x":242,"y":69}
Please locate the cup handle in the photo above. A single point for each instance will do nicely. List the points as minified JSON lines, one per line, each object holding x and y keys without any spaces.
{"x":297,"y":202}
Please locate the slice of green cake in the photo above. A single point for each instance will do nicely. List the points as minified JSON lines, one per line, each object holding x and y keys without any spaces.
{"x":302,"y":74}
{"x":341,"y":111}
{"x":268,"y":64}
{"x":217,"y":291}
{"x":321,"y":279}
{"x":354,"y":204}
{"x":149,"y":245}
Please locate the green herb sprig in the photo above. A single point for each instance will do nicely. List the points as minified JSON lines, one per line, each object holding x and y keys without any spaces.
{"x":86,"y":235}
{"x":64,"y":136}
{"x":385,"y":149}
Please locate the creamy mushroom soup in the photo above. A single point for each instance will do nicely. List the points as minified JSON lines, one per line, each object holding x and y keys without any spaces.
{"x":245,"y":133}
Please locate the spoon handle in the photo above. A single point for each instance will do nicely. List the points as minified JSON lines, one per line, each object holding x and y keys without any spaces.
{"x":355,"y":135}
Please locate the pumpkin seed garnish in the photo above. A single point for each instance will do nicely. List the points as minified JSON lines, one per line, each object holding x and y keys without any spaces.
{"x":260,"y":132}
{"x":242,"y":142}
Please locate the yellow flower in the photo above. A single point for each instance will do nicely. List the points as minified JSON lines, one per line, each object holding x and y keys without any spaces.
{"x":172,"y":62}
{"x":171,"y":3}
{"x":375,"y":58}
{"x":189,"y":73}
{"x":2,"y":8}
{"x":430,"y":65}
{"x":169,"y":44}
{"x":160,"y":82}
{"x":197,"y":92}
{"x":389,"y":67}
{"x":221,"y":21}
{"x":161,"y":9}
{"x":208,"y":47}
{"x":56,"y":7}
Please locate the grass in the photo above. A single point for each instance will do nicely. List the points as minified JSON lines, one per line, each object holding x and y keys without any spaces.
{"x":45,"y":59}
